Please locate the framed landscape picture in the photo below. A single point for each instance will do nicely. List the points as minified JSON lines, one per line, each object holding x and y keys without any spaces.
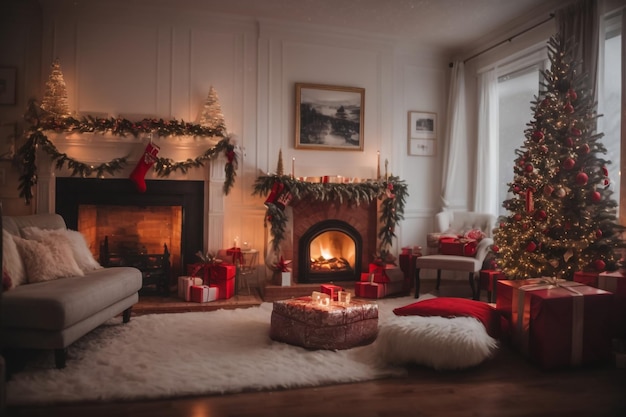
{"x":329,"y":117}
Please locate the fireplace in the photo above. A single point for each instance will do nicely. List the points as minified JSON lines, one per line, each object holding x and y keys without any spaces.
{"x":165,"y":220}
{"x":332,"y":240}
{"x":330,"y":251}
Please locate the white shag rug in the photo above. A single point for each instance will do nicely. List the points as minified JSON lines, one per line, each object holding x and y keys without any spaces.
{"x":223,"y":351}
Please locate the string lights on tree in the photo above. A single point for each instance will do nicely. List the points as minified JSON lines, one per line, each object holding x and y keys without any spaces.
{"x":562,"y":218}
{"x":55,"y":99}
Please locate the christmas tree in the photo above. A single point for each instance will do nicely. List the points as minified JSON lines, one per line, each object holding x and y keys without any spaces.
{"x":561,"y":218}
{"x":211,"y":114}
{"x":55,"y":97}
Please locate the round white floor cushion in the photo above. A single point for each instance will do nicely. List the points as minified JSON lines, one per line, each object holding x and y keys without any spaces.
{"x":438,"y":342}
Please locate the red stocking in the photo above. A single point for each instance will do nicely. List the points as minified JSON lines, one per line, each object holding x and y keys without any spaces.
{"x":147,"y":160}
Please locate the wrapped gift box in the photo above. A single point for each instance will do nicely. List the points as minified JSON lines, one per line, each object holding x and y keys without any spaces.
{"x":488,"y":280}
{"x":203,"y":293}
{"x":184,"y":284}
{"x":369,"y":289}
{"x":557,"y":323}
{"x":457,"y":246}
{"x":384,"y":273}
{"x":615,"y":282}
{"x":221,"y":275}
{"x":331,"y":290}
{"x":587,"y":278}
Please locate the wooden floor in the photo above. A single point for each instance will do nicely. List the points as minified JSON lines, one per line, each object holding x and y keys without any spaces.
{"x":506,"y":385}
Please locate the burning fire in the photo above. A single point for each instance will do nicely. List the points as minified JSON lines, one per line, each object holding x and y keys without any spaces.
{"x":332,"y":251}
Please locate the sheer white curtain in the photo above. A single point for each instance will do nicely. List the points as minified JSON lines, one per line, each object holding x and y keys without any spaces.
{"x":485,"y":200}
{"x":455,"y":148}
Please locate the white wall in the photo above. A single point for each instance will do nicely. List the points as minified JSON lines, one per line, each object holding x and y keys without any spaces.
{"x":121,"y":59}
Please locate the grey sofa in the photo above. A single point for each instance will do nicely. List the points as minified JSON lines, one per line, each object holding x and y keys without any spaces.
{"x":54,"y":314}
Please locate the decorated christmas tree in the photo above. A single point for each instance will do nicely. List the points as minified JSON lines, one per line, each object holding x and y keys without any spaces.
{"x":211,"y":114}
{"x":561,"y":216}
{"x":55,"y":97}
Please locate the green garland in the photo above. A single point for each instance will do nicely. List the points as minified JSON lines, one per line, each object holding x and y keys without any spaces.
{"x":42,"y":121}
{"x":392,"y":193}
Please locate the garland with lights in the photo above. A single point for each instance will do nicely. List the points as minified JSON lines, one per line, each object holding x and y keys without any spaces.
{"x":42,"y":121}
{"x":392,"y":192}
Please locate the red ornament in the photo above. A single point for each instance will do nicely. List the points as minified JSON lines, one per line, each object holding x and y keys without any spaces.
{"x":529,"y":168}
{"x":569,"y":163}
{"x":582,"y":178}
{"x":495,"y":248}
{"x":568,"y":108}
{"x":606,"y":182}
{"x":596,"y":196}
{"x":531,"y":247}
{"x":599,"y":265}
{"x":569,"y":142}
{"x":538,"y":136}
{"x":541,"y":215}
{"x":598,"y":234}
{"x":517,"y":217}
{"x":584,"y":149}
{"x":571,"y":93}
{"x":530,"y":202}
{"x":548,"y":189}
{"x":605,"y":171}
{"x":543,"y":148}
{"x":545,"y":102}
{"x":576,"y":131}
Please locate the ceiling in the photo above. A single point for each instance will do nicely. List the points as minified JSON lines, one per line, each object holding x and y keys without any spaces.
{"x":453,"y":25}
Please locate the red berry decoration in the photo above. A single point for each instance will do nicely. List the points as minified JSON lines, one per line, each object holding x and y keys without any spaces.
{"x":599,"y":265}
{"x":596,"y":197}
{"x":582,"y":178}
{"x":569,"y":163}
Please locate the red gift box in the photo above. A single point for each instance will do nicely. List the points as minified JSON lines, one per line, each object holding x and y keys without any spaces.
{"x":615,"y":282}
{"x":203,"y":293}
{"x":488,"y":280}
{"x":221,"y":275}
{"x":457,"y":246}
{"x":369,"y":290}
{"x":587,"y":278}
{"x":384,"y":274}
{"x":331,"y":290}
{"x":557,"y":323}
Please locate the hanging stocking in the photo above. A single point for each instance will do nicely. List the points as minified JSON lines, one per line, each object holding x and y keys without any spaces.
{"x":147,"y":160}
{"x":277,"y":189}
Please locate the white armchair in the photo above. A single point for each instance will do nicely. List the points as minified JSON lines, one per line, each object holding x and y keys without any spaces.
{"x":458,"y":223}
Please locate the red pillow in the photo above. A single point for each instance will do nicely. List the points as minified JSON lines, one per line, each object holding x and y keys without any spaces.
{"x":455,"y":307}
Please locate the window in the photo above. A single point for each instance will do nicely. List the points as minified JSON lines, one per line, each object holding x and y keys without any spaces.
{"x":610,"y":99}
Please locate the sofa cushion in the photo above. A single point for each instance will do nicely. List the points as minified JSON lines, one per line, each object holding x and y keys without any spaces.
{"x":55,"y":305}
{"x":47,"y":259}
{"x":12,"y":263}
{"x":80,"y":251}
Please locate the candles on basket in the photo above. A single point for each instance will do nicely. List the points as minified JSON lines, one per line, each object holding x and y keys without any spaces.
{"x":323,"y":299}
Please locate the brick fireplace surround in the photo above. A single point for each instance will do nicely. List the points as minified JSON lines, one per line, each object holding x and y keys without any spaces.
{"x":363,"y":217}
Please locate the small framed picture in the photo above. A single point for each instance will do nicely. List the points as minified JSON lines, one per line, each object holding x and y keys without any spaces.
{"x":422,"y":128}
{"x":329,"y":117}
{"x":8,"y":77}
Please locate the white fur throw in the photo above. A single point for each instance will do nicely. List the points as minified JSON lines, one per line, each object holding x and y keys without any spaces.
{"x":438,"y":342}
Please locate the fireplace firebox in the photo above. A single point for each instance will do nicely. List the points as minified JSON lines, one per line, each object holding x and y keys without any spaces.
{"x":330,"y":251}
{"x":166,"y":220}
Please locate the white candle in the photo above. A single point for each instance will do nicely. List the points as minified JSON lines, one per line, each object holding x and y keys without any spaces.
{"x":293,"y":167}
{"x":377,"y":164}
